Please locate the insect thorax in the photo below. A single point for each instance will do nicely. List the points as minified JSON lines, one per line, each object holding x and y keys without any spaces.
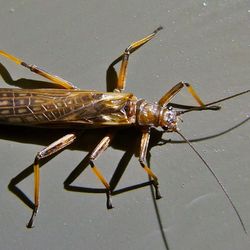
{"x":153,"y":114}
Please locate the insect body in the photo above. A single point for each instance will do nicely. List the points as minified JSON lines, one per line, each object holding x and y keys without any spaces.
{"x":67,"y":106}
{"x":64,"y":108}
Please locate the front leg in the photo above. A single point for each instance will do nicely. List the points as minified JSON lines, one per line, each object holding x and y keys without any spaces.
{"x":120,"y":85}
{"x":142,"y":156}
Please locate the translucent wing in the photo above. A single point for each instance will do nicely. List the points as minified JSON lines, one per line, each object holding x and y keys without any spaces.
{"x":45,"y":107}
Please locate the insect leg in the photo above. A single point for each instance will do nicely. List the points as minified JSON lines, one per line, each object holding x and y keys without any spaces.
{"x":172,"y":92}
{"x":142,"y":156}
{"x":58,"y":81}
{"x":49,"y":150}
{"x":99,"y":149}
{"x":125,"y":56}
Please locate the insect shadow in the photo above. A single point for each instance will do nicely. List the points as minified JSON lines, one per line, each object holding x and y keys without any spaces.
{"x":86,"y":142}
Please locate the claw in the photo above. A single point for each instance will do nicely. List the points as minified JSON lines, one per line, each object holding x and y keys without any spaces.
{"x":157,"y":192}
{"x":31,"y":221}
{"x":109,"y":201}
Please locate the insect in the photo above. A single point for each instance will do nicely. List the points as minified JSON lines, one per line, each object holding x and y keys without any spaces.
{"x":67,"y":106}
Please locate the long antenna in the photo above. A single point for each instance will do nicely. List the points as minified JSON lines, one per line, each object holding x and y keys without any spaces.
{"x":206,"y":106}
{"x":198,"y":109}
{"x":216,"y":178}
{"x":227,"y":98}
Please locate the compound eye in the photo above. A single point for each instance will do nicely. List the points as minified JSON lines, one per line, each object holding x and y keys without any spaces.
{"x":170,"y":121}
{"x":170,"y":117}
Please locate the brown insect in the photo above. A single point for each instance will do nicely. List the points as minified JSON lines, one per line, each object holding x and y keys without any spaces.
{"x":67,"y":106}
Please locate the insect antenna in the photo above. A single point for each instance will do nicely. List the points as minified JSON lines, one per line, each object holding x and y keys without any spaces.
{"x":205,"y":107}
{"x":229,"y":97}
{"x":208,"y":106}
{"x":216,"y":178}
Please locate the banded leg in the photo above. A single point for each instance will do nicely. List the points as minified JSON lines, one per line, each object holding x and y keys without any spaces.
{"x":125,"y":57}
{"x":172,"y":92}
{"x":49,"y":150}
{"x":58,"y":81}
{"x":99,"y":149}
{"x":142,"y":156}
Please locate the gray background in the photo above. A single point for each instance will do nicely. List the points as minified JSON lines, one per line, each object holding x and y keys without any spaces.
{"x":205,"y":43}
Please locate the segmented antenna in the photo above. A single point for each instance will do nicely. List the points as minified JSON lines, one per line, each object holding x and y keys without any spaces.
{"x":216,"y":178}
{"x":207,"y":106}
{"x":229,"y":97}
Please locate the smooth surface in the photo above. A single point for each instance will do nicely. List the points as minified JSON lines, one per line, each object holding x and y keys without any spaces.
{"x":205,"y":43}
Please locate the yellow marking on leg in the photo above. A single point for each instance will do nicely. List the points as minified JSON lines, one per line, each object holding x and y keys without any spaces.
{"x":150,"y":173}
{"x":55,"y":79}
{"x":122,"y":76}
{"x":125,"y":56}
{"x":98,"y":173}
{"x":139,"y":43}
{"x":194,"y":94}
{"x":11,"y":57}
{"x":36,"y":184}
